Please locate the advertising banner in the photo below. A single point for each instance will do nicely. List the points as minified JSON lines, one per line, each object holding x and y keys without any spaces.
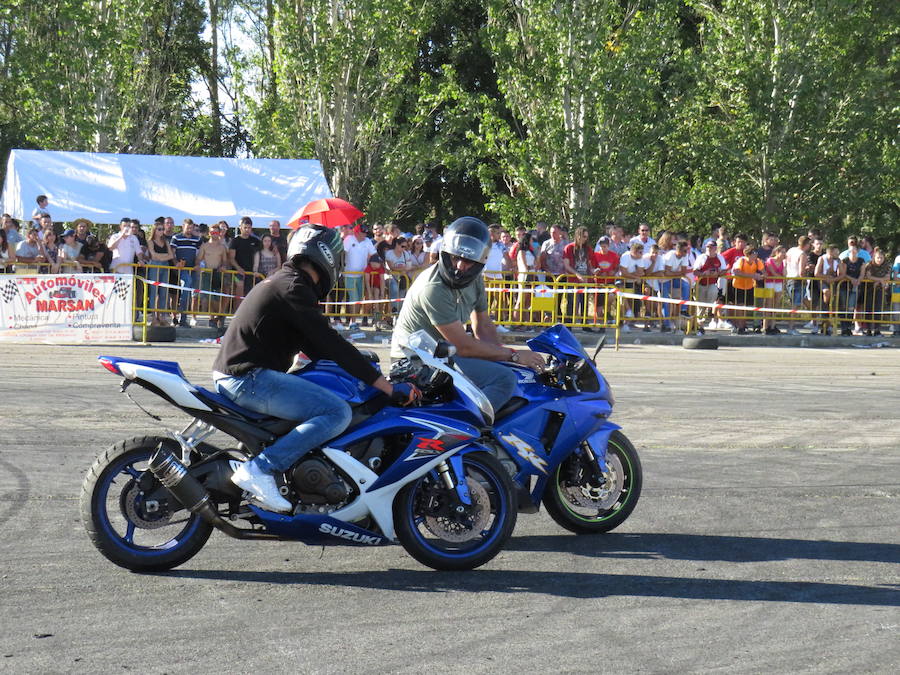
{"x":65,"y":307}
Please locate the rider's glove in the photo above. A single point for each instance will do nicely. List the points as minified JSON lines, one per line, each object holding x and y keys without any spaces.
{"x":405,"y":393}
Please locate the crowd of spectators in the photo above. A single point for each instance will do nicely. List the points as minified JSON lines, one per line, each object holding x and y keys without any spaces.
{"x":380,"y":262}
{"x":197,"y":256}
{"x":716,"y":269}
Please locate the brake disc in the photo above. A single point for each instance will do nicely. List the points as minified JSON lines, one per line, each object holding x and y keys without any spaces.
{"x":139,"y":516}
{"x":603,"y":497}
{"x":452,"y":530}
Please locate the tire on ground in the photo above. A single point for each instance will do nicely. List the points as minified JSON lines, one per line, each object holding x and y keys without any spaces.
{"x":693,"y":342}
{"x":154,"y":333}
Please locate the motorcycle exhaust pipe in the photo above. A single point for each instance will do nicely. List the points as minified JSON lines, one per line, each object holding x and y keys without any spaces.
{"x":193,"y":496}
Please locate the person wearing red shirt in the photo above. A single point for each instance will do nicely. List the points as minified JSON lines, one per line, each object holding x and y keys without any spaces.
{"x":373,"y":276}
{"x":578,"y":260}
{"x":607,"y":266}
{"x":731,"y":256}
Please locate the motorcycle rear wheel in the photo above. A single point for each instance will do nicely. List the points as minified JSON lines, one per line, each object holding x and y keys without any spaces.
{"x":442,"y":543}
{"x":124,"y":528}
{"x":575,"y":503}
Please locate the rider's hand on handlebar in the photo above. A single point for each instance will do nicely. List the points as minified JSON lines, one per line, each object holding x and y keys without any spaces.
{"x":530,"y":359}
{"x":405,"y":394}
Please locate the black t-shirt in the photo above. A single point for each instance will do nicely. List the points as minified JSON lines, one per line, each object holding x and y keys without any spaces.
{"x":854,"y":268}
{"x":279,"y":318}
{"x":244,"y":250}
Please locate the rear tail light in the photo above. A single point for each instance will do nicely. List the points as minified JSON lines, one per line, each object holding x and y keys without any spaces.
{"x":109,"y":365}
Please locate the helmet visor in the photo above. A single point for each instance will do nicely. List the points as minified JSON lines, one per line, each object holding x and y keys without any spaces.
{"x":465,"y":246}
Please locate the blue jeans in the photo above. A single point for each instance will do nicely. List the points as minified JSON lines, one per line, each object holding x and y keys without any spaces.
{"x":188,"y":280}
{"x":321,"y":415}
{"x":496,"y":380}
{"x":665,"y":291}
{"x":847,"y":294}
{"x":157,"y":295}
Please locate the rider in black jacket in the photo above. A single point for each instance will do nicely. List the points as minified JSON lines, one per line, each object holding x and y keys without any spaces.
{"x":277,"y":319}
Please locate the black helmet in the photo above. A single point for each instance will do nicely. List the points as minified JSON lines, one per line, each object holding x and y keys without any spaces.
{"x":322,"y":247}
{"x":467,"y":238}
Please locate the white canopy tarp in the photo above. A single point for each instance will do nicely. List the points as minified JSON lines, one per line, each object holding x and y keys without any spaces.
{"x":107,"y":187}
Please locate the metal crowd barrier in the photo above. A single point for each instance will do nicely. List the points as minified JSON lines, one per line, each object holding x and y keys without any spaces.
{"x":829,"y":305}
{"x":159,"y":289}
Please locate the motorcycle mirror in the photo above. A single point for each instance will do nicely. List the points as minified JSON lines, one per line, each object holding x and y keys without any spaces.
{"x":444,"y":350}
{"x":597,"y":349}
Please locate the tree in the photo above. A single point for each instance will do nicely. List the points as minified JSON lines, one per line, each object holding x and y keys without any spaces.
{"x":344,"y":69}
{"x":582,"y":81}
{"x":789,"y":118}
{"x":102,"y":75}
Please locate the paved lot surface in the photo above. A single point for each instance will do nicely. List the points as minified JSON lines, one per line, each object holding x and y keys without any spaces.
{"x":767,"y":539}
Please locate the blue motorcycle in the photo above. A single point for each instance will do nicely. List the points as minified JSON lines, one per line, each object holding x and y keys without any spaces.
{"x":415,"y":475}
{"x":556,"y":440}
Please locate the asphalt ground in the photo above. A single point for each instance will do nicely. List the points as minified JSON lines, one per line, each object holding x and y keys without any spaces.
{"x":767,"y":539}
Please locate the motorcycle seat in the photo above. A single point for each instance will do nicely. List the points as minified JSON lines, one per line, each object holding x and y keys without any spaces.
{"x":274,"y":425}
{"x":508,"y":408}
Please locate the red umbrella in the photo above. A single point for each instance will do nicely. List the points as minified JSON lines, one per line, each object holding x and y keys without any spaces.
{"x":330,"y":212}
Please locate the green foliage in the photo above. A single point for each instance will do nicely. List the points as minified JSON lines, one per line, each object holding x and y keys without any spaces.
{"x":787,"y":124}
{"x":112,"y":76}
{"x":759,"y":113}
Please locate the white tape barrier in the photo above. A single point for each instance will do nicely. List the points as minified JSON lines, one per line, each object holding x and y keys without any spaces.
{"x":546,"y":291}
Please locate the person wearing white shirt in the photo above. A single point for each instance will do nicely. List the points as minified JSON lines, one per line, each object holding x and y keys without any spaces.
{"x":125,"y":247}
{"x":632,"y":266}
{"x":796,"y":262}
{"x":676,"y":266}
{"x":434,"y":249}
{"x":358,"y":248}
{"x":643,"y":237}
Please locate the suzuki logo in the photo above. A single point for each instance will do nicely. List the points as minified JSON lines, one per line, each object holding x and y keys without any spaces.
{"x":350,"y":535}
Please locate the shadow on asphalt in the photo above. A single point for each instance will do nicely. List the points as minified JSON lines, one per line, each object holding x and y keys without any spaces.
{"x":705,"y":547}
{"x":583,"y":585}
{"x":700,"y":548}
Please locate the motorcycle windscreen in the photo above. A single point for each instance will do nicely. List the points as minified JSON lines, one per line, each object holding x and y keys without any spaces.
{"x":558,"y":341}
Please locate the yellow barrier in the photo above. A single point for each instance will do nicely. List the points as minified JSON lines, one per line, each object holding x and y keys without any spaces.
{"x":160,"y":294}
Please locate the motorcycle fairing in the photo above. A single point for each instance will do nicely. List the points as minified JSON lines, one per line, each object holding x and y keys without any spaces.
{"x":375,"y":498}
{"x":318,"y":528}
{"x":598,"y":440}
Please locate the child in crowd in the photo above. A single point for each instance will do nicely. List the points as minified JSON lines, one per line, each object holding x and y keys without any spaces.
{"x":828,"y":270}
{"x":375,"y":290}
{"x":655,"y":268}
{"x":774,"y":269}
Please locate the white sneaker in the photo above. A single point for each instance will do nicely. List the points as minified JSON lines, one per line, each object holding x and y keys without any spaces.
{"x":502,"y":329}
{"x":712,"y":325}
{"x":725,"y":325}
{"x":810,"y":325}
{"x":262,"y":487}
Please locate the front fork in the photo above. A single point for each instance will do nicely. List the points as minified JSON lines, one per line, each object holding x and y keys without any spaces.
{"x":594,"y":460}
{"x":453,"y":475}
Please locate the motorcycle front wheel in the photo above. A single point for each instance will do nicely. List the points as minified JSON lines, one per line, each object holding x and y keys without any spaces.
{"x":433,"y":529}
{"x":579,"y":502}
{"x":134,"y":532}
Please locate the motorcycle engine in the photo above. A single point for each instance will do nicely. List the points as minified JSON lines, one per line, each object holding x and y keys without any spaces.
{"x":315,"y":482}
